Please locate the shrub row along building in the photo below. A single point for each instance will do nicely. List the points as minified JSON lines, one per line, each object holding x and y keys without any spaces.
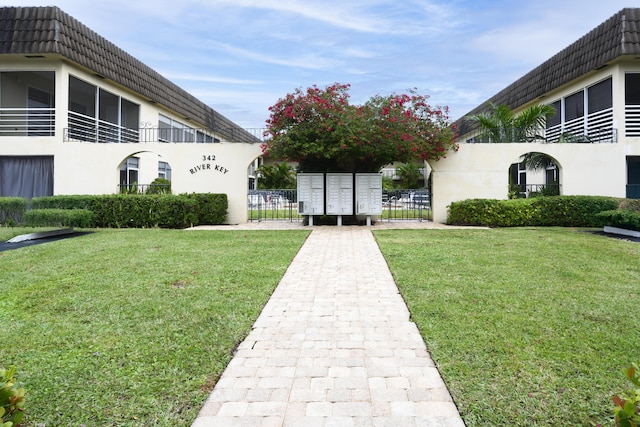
{"x":80,"y":116}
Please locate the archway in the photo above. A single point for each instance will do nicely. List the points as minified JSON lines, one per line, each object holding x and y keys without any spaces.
{"x":138,"y":171}
{"x":534,"y":174}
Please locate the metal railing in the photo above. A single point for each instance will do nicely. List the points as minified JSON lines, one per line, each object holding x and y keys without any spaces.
{"x":144,"y":188}
{"x":524,"y":191}
{"x":566,"y":133}
{"x":273,"y":205}
{"x":90,"y":129}
{"x":282,"y":205}
{"x":27,"y":121}
{"x":406,"y":205}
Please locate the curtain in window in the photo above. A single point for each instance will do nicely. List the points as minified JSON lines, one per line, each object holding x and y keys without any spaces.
{"x":26,"y":177}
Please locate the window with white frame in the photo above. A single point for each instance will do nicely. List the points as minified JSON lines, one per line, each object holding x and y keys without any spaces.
{"x":584,"y":116}
{"x":164,"y":170}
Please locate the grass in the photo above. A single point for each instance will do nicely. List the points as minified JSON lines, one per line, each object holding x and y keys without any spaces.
{"x":528,"y":326}
{"x":132,"y":327}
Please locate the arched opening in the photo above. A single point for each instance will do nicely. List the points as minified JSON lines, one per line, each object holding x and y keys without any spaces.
{"x":534,"y":174}
{"x":140,"y":173}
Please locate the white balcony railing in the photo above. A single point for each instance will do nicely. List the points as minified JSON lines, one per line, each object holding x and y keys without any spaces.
{"x":89,"y":129}
{"x":27,"y":121}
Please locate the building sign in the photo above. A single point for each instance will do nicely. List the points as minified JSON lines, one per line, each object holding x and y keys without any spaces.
{"x":368,"y":194}
{"x":311,"y":194}
{"x":207,"y":162}
{"x":339,"y":194}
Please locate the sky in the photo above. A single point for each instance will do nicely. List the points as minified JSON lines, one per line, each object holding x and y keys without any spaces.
{"x":241,"y":56}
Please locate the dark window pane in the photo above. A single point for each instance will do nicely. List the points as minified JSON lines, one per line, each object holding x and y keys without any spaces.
{"x":632,"y":88}
{"x":600,"y":96}
{"x":557,"y":116}
{"x":574,"y":106}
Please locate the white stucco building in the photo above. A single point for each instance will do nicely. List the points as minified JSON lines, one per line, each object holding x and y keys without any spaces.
{"x":594,"y":138}
{"x":78,"y":115}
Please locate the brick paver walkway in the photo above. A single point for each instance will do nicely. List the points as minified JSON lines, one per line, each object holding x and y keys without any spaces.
{"x":334,"y":346}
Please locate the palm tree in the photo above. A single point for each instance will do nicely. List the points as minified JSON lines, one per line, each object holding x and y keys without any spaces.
{"x":501,"y":124}
{"x":409,"y":174}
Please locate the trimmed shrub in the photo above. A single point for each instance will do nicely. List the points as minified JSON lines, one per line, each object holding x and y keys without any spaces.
{"x":212,"y":208}
{"x":159,"y":186}
{"x":81,"y":218}
{"x":573,"y":211}
{"x":630,"y":205}
{"x":145,"y":211}
{"x":12,"y":209}
{"x":565,"y":211}
{"x":63,"y":202}
{"x":627,"y":219}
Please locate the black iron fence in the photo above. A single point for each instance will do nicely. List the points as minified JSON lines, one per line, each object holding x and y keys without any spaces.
{"x":282,"y":205}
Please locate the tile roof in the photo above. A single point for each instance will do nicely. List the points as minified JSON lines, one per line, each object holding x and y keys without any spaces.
{"x":617,"y":36}
{"x":49,"y":30}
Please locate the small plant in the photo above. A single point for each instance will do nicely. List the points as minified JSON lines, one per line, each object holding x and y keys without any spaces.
{"x":11,"y":398}
{"x":627,"y":410}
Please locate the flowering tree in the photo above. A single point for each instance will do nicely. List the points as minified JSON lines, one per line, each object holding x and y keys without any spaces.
{"x":323,"y":132}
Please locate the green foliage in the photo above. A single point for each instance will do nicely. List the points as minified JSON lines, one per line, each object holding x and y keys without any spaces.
{"x":627,"y":404}
{"x":212,"y":208}
{"x":81,"y":218}
{"x":500,"y":124}
{"x":12,"y":209}
{"x":11,"y":398}
{"x":63,"y":202}
{"x":277,"y":176}
{"x":146,"y":211}
{"x":159,"y":186}
{"x":323,"y":132}
{"x":130,"y":210}
{"x":630,"y":205}
{"x":564,"y":211}
{"x":627,"y":219}
{"x":409,"y":174}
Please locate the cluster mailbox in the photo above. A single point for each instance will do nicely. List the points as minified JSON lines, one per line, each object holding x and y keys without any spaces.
{"x":337,"y":191}
{"x":311,"y":194}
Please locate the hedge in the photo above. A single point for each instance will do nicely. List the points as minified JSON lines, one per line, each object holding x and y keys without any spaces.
{"x":12,"y":209}
{"x":627,"y":219}
{"x":565,"y":211}
{"x":81,"y":218}
{"x":64,"y":202}
{"x":133,"y":210}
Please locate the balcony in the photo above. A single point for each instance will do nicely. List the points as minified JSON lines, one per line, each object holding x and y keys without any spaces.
{"x":89,"y":129}
{"x":27,"y":121}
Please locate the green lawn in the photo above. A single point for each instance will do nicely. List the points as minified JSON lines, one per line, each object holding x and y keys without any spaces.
{"x":529,"y":327}
{"x":132,"y":327}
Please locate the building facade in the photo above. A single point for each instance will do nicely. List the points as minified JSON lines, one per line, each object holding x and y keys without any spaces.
{"x":593,"y":139}
{"x":78,"y":115}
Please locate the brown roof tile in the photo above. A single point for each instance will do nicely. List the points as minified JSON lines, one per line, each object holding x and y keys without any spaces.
{"x":48,"y":30}
{"x":619,"y":35}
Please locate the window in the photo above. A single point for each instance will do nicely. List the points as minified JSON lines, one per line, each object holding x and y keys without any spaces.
{"x":164,"y":170}
{"x":39,"y":115}
{"x":129,"y":174}
{"x":96,"y":115}
{"x":170,"y":130}
{"x":574,"y":106}
{"x":556,"y":119}
{"x":600,"y":96}
{"x":632,"y":88}
{"x":27,"y":103}
{"x":26,"y":176}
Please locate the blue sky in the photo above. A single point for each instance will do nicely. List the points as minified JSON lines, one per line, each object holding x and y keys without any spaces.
{"x":241,"y":56}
